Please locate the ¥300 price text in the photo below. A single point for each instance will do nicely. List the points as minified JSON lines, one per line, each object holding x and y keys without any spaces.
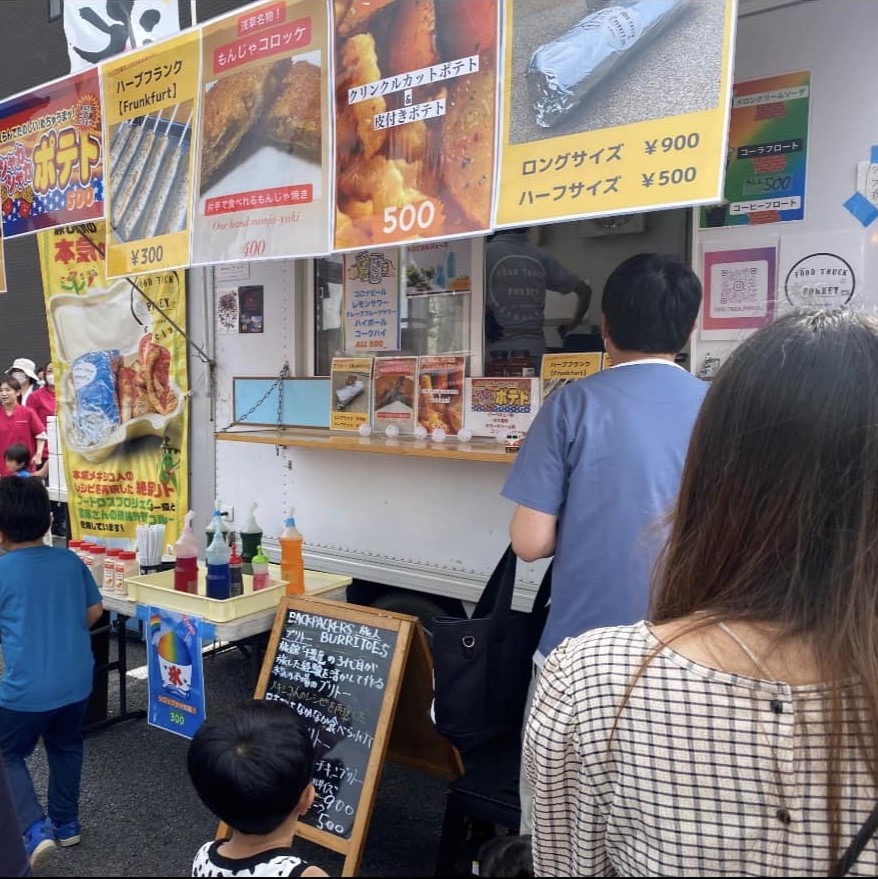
{"x":147,"y":256}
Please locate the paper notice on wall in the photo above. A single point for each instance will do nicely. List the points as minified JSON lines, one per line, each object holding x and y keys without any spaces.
{"x":371,"y":301}
{"x":351,"y":383}
{"x":395,"y":397}
{"x":496,"y":406}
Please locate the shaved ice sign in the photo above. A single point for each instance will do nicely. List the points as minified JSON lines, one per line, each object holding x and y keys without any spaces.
{"x":176,"y":675}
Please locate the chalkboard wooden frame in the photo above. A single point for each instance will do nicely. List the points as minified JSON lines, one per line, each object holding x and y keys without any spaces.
{"x":412,"y":740}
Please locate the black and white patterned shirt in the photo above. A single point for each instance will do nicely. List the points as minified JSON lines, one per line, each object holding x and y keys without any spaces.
{"x":709,"y":773}
{"x":273,"y":862}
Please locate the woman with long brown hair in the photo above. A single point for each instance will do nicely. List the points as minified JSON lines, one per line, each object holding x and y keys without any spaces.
{"x":736,"y":733}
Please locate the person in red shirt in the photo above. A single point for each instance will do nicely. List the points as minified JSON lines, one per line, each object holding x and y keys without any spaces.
{"x":42,"y":400}
{"x":19,"y":424}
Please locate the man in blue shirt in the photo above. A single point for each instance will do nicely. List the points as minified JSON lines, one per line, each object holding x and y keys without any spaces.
{"x":601,"y":464}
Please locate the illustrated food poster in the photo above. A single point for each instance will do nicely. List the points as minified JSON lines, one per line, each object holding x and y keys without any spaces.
{"x":351,"y":386}
{"x":265,"y":175}
{"x":496,"y":406}
{"x":558,"y":370}
{"x":416,"y":97}
{"x":766,"y":156}
{"x":440,"y":392}
{"x":149,"y":102}
{"x":121,"y":382}
{"x":594,"y":122}
{"x":395,"y":398}
{"x":51,"y":156}
{"x":175,"y":672}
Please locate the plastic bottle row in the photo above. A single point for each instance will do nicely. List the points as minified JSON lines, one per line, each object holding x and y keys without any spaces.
{"x":226,"y":567}
{"x":109,"y":567}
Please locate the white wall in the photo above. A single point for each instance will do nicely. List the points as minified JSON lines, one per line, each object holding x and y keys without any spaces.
{"x":835,"y":40}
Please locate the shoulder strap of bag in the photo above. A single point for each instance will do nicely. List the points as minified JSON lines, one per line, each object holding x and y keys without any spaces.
{"x":496,"y":598}
{"x":859,"y":842}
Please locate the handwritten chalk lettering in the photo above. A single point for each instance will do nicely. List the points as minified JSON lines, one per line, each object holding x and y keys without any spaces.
{"x":379,"y":648}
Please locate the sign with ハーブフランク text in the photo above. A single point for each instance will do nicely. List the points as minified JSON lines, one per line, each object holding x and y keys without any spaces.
{"x":593,"y":125}
{"x":150,"y":105}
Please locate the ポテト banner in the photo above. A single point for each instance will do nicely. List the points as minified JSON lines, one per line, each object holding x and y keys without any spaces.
{"x":416,"y":109}
{"x":122,"y":389}
{"x":264,"y":186}
{"x":51,"y":156}
{"x":594,"y":121}
{"x":150,"y":107}
{"x":767,"y":152}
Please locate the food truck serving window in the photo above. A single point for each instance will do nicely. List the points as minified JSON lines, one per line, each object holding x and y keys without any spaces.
{"x":433,"y":319}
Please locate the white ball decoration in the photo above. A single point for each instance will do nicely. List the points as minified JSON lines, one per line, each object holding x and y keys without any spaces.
{"x":438,"y":435}
{"x":464,"y":435}
{"x":420,"y":432}
{"x":392,"y":431}
{"x":365,"y":430}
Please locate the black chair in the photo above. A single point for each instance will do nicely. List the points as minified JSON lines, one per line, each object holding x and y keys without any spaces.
{"x":481,"y":804}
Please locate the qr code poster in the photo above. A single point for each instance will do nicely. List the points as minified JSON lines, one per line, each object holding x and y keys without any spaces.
{"x":740,"y":290}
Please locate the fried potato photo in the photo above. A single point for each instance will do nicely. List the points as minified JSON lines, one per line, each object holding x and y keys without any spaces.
{"x":415,"y":118}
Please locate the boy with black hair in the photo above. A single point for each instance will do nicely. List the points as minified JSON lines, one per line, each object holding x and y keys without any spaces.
{"x":17,"y":460}
{"x":252,"y":768}
{"x":48,"y":602}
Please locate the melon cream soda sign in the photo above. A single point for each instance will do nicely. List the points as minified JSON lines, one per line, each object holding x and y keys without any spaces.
{"x":149,"y":100}
{"x":122,"y":388}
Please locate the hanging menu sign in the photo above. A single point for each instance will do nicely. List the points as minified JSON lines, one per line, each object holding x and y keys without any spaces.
{"x":416,"y":98}
{"x":371,"y":301}
{"x":264,"y":185}
{"x":149,"y":96}
{"x":51,"y":156}
{"x":594,"y":125}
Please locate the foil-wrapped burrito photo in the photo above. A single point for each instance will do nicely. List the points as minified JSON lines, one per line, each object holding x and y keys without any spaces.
{"x":562,"y":72}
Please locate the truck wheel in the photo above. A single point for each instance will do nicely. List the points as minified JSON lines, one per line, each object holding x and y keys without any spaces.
{"x":419,"y":606}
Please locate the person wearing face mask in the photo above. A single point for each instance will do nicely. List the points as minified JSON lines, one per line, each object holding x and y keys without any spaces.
{"x":42,"y":401}
{"x":25,"y":371}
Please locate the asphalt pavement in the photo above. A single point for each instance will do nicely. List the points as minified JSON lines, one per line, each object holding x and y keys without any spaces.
{"x":141,"y":817}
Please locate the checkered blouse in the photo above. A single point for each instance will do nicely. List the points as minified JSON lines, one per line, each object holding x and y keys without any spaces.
{"x":709,"y":773}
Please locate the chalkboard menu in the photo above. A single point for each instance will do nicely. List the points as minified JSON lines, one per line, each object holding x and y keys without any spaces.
{"x":334,"y":673}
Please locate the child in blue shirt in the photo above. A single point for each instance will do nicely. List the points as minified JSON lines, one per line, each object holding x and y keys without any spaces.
{"x":48,"y":602}
{"x":17,"y":460}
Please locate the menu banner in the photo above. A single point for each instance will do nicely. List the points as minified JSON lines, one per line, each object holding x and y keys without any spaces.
{"x":500,"y":406}
{"x":175,"y":673}
{"x":264,"y":186}
{"x":441,"y":392}
{"x":395,"y":399}
{"x":416,"y":99}
{"x":121,"y":384}
{"x":149,"y":100}
{"x":371,"y":301}
{"x":767,"y":153}
{"x":592,"y":122}
{"x":51,"y":156}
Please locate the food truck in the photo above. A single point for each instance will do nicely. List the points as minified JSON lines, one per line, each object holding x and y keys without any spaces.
{"x":767,"y":190}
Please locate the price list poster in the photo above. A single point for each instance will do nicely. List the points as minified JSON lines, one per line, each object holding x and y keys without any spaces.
{"x":614,"y":110}
{"x":264,"y":188}
{"x":149,"y":101}
{"x":51,"y":156}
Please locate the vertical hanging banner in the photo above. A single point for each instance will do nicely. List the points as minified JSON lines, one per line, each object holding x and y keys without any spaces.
{"x":371,"y":301}
{"x":149,"y":99}
{"x":175,"y":672}
{"x":51,"y":156}
{"x":594,"y":123}
{"x":766,"y":157}
{"x":264,"y":186}
{"x":122,"y":387}
{"x":416,"y":99}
